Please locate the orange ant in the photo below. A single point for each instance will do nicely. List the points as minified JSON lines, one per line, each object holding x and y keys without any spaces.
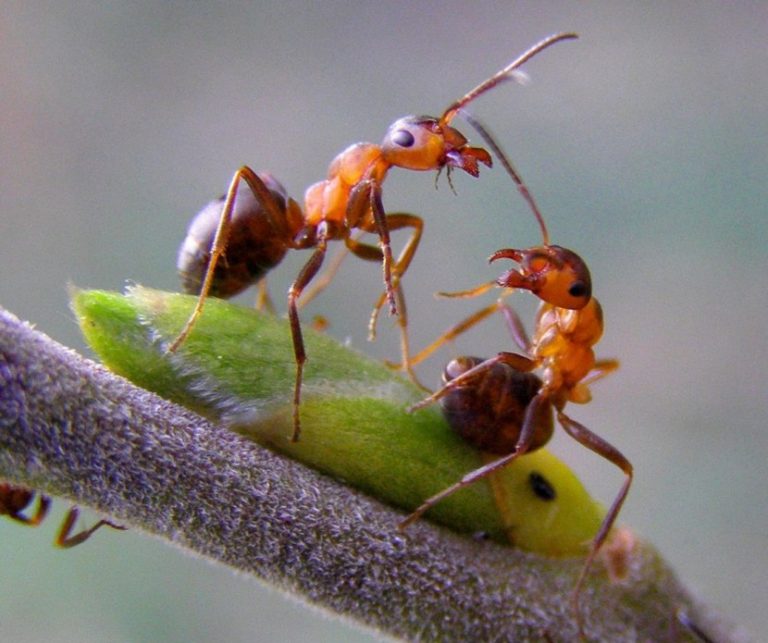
{"x":347,"y":202}
{"x":569,"y":323}
{"x":15,"y":499}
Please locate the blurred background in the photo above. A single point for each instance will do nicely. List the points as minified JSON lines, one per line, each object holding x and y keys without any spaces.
{"x":644,"y":142}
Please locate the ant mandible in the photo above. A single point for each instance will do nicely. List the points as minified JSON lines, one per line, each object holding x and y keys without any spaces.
{"x":568,"y":324}
{"x":15,"y":499}
{"x":348,"y":201}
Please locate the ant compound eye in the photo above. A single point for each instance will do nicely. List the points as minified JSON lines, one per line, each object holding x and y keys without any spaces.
{"x":578,"y":289}
{"x":403,"y":138}
{"x":541,"y":486}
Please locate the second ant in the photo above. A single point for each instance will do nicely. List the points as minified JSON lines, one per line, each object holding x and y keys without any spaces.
{"x":499,"y":405}
{"x":568,"y":324}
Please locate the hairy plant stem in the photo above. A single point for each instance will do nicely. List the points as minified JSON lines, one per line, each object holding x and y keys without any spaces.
{"x":71,"y":428}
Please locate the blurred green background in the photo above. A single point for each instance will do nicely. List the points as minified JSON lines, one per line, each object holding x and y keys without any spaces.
{"x":645,"y":144}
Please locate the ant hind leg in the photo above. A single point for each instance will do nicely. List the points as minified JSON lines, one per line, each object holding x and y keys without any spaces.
{"x":265,"y":198}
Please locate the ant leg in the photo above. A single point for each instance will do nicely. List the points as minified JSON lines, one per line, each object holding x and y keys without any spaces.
{"x":396,"y":221}
{"x":65,"y":541}
{"x":219,"y":245}
{"x":601,"y":368}
{"x":595,"y":443}
{"x":515,"y":327}
{"x":363,"y":198}
{"x":43,"y":504}
{"x":527,"y":433}
{"x":364,"y":251}
{"x":309,"y":270}
{"x":322,"y":282}
{"x":405,"y":348}
{"x":380,"y":218}
{"x":462,"y":326}
{"x":453,"y":332}
{"x":368,"y":252}
{"x":467,"y":294}
{"x":263,"y":300}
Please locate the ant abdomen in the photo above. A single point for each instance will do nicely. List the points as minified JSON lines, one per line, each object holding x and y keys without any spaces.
{"x":487,"y":411}
{"x":256,"y":243}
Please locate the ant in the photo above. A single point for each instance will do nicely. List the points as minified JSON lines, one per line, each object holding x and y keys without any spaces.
{"x":15,"y":499}
{"x":347,"y":202}
{"x":569,"y":323}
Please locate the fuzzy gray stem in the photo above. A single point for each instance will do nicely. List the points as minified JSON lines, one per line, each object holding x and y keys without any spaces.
{"x":71,"y":428}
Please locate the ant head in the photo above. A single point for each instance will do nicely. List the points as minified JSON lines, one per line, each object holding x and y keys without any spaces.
{"x":552,"y":273}
{"x":424,"y":143}
{"x":427,"y":143}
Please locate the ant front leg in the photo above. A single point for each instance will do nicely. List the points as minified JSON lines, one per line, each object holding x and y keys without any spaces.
{"x":595,"y":443}
{"x":219,"y":245}
{"x":406,"y":363}
{"x":405,"y":346}
{"x":65,"y":540}
{"x":397,"y":221}
{"x":515,"y":327}
{"x":306,"y":275}
{"x":368,"y":252}
{"x":462,"y":327}
{"x":365,"y":197}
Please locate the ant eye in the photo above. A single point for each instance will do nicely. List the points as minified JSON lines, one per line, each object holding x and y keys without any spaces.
{"x":403,"y":138}
{"x":578,"y":289}
{"x":541,"y":486}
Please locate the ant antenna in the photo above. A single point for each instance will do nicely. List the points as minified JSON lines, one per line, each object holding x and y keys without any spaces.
{"x":490,"y":141}
{"x":502,"y":75}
